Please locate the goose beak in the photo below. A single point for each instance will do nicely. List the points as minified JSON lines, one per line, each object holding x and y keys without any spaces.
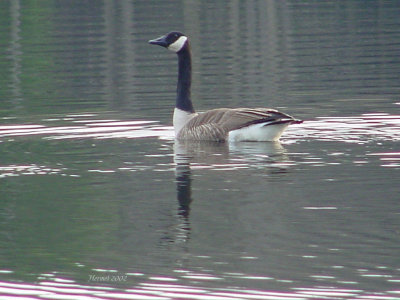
{"x":161,"y":41}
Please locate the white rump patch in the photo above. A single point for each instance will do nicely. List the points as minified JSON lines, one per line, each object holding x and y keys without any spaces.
{"x":178,"y":44}
{"x":258,"y":133}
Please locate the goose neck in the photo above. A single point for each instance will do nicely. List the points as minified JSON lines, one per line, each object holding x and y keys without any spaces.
{"x":183,"y":100}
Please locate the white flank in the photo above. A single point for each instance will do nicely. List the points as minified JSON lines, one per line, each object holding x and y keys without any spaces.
{"x":178,"y":44}
{"x":258,"y":133}
{"x":181,"y":117}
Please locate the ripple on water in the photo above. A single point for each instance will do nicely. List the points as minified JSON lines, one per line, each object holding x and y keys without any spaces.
{"x":31,"y":169}
{"x":355,"y":129}
{"x":388,"y":159}
{"x":159,"y":288}
{"x":358,"y":129}
{"x":88,"y":126}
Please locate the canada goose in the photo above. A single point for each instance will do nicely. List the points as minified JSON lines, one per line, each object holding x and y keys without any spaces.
{"x":222,"y":124}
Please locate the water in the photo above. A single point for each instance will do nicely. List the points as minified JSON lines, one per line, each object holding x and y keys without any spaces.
{"x":99,"y":202}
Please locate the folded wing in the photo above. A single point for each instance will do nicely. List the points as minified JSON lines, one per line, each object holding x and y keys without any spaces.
{"x":217,"y":123}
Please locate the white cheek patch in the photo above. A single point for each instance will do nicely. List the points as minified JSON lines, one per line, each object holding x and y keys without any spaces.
{"x":178,"y":44}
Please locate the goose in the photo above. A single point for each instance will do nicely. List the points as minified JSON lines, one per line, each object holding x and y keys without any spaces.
{"x":221,"y":124}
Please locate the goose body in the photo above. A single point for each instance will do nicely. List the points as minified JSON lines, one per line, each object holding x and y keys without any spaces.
{"x":222,"y":124}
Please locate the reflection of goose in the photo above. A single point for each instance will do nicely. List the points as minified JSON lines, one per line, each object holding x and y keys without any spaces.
{"x":183,"y":188}
{"x":239,"y":124}
{"x":213,"y":155}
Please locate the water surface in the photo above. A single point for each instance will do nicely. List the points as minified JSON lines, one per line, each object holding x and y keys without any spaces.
{"x":99,"y":202}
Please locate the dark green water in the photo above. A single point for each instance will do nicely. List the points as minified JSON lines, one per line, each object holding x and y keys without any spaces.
{"x":97,"y":200}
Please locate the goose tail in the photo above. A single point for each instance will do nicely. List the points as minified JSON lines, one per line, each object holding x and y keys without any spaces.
{"x":284,"y":121}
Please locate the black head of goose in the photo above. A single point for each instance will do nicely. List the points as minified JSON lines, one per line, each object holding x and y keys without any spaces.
{"x":222,"y":124}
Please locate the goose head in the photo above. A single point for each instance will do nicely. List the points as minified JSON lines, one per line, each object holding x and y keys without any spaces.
{"x":174,"y":41}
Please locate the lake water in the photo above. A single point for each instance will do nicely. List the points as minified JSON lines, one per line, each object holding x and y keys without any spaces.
{"x":97,"y":200}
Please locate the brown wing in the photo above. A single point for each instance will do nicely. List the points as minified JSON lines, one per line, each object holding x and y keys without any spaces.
{"x":215,"y":124}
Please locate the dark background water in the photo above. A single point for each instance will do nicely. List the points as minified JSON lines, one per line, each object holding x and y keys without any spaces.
{"x":92,"y":184}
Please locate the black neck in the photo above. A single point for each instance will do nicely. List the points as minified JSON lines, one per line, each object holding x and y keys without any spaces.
{"x":183,"y":101}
